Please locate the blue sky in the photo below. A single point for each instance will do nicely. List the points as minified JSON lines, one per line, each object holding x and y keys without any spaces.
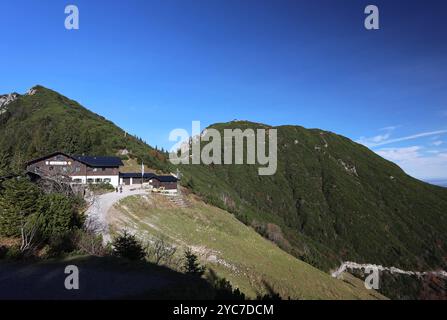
{"x":155,"y":65}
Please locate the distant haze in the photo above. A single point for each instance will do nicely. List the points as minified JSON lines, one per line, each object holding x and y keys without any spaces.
{"x":442,"y":183}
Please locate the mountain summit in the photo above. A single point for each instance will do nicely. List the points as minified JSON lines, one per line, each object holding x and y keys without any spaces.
{"x":43,"y":121}
{"x":332,"y":200}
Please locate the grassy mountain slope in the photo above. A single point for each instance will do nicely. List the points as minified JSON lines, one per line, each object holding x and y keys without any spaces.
{"x":45,"y":122}
{"x":231,"y":249}
{"x":333,"y":200}
{"x":330,"y":200}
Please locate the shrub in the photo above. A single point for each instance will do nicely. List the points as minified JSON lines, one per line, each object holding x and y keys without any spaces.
{"x":101,"y":187}
{"x":161,"y":252}
{"x":272,"y":296}
{"x":13,"y":253}
{"x":89,"y":242}
{"x":127,"y":246}
{"x":3,"y":251}
{"x":60,"y":244}
{"x":225,"y":291}
{"x":191,"y":265}
{"x":57,"y":216}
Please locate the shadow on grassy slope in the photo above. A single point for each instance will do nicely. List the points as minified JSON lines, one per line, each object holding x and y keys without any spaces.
{"x":99,"y":278}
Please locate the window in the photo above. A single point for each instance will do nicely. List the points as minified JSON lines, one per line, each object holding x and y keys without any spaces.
{"x":103,"y":169}
{"x":64,"y":169}
{"x":90,"y":180}
{"x":98,"y":180}
{"x":78,"y":169}
{"x":107,"y":180}
{"x":77,"y":180}
{"x":95,"y":169}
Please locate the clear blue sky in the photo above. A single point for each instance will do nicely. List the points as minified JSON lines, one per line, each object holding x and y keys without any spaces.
{"x":155,"y":65}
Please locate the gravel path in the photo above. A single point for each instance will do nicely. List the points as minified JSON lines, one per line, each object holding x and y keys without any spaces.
{"x":101,"y":205}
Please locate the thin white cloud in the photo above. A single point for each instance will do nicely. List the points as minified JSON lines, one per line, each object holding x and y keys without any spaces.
{"x":374,"y":140}
{"x":389,"y":128}
{"x":379,"y":141}
{"x":437,"y":143}
{"x":413,"y":161}
{"x":400,"y":154}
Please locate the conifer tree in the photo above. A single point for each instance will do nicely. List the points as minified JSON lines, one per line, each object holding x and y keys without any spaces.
{"x":191,"y":265}
{"x":18,"y":201}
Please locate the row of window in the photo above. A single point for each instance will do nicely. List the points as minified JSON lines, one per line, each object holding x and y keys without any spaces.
{"x":91,"y":180}
{"x":64,"y":169}
{"x":77,"y":169}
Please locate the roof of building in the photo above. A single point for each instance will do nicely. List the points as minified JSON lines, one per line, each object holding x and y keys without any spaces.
{"x":92,"y":161}
{"x":148,"y":176}
{"x":48,"y":156}
{"x":166,"y":178}
{"x":137,"y":175}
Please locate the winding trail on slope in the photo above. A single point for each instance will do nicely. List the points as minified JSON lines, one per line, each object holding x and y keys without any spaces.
{"x":353,"y":265}
{"x":101,"y":205}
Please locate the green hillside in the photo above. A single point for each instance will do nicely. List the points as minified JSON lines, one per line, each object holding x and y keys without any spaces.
{"x":332,"y":200}
{"x":231,"y":249}
{"x":45,"y":122}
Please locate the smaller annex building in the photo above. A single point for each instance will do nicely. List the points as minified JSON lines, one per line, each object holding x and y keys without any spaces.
{"x":95,"y":170}
{"x":156,"y":181}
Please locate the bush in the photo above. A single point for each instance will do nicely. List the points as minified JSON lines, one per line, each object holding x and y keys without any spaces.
{"x":60,"y":244}
{"x":161,"y":252}
{"x":127,"y":246}
{"x":88,"y":242}
{"x":225,"y":291}
{"x":3,"y":252}
{"x":57,"y":216}
{"x":101,"y":187}
{"x":191,"y":266}
{"x":13,"y":253}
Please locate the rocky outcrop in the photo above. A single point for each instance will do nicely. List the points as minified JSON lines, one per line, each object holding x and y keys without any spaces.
{"x":7,"y":99}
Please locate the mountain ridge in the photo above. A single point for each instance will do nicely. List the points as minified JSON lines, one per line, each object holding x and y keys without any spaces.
{"x":329,"y":185}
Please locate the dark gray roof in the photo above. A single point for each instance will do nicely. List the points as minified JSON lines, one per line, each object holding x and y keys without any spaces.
{"x":94,"y":161}
{"x":166,"y":178}
{"x":149,"y":176}
{"x":136,"y":175}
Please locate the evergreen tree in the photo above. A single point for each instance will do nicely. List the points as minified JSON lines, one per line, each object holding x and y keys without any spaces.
{"x":191,"y":264}
{"x":18,"y":201}
{"x":57,"y":215}
{"x":127,"y":246}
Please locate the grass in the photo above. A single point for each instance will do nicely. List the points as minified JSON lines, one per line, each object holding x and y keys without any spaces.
{"x":132,"y":165}
{"x":232,"y":249}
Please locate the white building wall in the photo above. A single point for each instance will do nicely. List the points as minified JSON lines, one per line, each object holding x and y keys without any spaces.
{"x":114,"y":180}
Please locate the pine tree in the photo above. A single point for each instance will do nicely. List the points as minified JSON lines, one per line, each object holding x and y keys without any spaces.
{"x":191,"y":265}
{"x":57,"y":215}
{"x":18,"y":201}
{"x":127,"y":246}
